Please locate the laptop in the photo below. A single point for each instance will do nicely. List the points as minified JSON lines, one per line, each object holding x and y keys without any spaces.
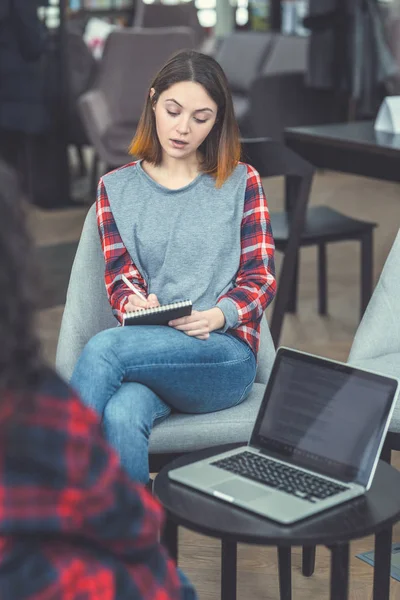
{"x":315,"y":444}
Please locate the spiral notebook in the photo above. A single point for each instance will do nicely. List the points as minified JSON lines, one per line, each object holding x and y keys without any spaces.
{"x":160,"y":315}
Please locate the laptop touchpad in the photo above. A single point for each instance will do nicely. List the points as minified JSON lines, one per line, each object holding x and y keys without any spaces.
{"x":236,"y":489}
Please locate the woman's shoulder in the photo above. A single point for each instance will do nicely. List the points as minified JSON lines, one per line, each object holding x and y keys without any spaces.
{"x":115,"y":184}
{"x":243,"y":175}
{"x":121,"y":173}
{"x":249,"y":169}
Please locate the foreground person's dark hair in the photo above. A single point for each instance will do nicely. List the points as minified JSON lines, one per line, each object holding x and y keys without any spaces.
{"x":20,"y":363}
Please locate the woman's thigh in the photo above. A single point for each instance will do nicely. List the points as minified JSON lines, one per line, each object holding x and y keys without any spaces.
{"x":191,"y":375}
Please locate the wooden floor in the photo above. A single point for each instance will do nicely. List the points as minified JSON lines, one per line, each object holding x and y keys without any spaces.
{"x":330,"y":336}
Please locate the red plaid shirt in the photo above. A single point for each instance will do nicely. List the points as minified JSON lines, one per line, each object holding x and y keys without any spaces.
{"x":255,"y":284}
{"x":72,"y":525}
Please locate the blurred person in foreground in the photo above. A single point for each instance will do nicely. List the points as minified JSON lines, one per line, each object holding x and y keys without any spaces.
{"x":72,"y":524}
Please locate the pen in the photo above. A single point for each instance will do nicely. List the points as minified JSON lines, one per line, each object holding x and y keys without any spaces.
{"x":131,"y":287}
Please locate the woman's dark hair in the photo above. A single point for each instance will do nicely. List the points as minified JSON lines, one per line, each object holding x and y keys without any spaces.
{"x":20,"y":363}
{"x":221,"y":148}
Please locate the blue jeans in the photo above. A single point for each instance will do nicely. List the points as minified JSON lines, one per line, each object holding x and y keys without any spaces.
{"x":135,"y":376}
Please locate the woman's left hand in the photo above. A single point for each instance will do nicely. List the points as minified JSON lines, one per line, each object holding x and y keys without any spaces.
{"x":200,"y":323}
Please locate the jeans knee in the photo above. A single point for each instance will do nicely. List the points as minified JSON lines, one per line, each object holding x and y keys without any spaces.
{"x":101,"y":346}
{"x":124,"y":421}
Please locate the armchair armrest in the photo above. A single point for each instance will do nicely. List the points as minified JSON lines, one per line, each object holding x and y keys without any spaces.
{"x":87,"y":310}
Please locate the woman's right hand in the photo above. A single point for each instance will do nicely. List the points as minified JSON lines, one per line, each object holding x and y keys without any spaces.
{"x":135,"y":303}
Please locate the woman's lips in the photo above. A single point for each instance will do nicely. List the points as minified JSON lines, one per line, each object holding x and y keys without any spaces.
{"x":178,"y":144}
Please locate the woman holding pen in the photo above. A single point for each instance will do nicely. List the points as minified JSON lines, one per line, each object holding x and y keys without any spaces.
{"x":186,"y":220}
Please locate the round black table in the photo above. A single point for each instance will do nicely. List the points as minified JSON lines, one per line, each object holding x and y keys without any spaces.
{"x":373,"y":513}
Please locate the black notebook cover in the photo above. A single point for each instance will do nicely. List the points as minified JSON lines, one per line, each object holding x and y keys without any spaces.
{"x":160,"y":315}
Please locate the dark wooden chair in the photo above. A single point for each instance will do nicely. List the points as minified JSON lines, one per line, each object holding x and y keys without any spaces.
{"x":323,"y":225}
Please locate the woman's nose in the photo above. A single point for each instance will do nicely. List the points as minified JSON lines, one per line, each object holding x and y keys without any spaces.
{"x":183,"y":125}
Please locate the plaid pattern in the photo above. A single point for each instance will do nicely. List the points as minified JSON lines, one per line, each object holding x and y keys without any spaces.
{"x":72,"y":524}
{"x":255,"y":284}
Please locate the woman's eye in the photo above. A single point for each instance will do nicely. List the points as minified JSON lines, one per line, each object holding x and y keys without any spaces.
{"x":172,"y":113}
{"x":200,"y":120}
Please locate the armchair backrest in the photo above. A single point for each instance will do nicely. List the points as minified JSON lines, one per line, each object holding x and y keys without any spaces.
{"x":241,"y":55}
{"x":158,"y":14}
{"x":131,"y":58}
{"x":379,"y":331}
{"x":288,"y":55}
{"x":87,"y":309}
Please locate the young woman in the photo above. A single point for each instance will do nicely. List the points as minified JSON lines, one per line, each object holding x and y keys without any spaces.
{"x":72,"y":524}
{"x":187,"y":220}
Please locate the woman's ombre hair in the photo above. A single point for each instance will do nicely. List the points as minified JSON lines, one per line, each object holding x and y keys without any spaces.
{"x":221,"y":149}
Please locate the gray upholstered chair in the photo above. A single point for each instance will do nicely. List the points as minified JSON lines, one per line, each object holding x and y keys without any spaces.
{"x":266,"y":73}
{"x":376,"y":345}
{"x":87,"y":311}
{"x":158,"y":14}
{"x":111,"y":110}
{"x":242,"y":55}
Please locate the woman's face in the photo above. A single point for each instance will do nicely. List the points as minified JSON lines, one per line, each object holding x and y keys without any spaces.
{"x":185,"y":115}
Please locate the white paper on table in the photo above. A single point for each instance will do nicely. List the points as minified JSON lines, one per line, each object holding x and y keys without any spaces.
{"x":388,"y":118}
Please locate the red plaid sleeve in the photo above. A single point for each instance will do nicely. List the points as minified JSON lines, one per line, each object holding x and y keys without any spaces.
{"x":116,"y":256}
{"x":72,"y":524}
{"x":255,"y":284}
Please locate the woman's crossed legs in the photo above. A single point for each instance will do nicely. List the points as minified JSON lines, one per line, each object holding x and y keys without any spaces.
{"x":134,"y":376}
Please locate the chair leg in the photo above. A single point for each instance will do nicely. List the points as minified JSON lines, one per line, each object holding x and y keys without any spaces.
{"x":366,"y":270}
{"x":285,"y":573}
{"x":308,"y":563}
{"x":292,"y":302}
{"x":322,"y":280}
{"x":81,"y":160}
{"x":94,"y":174}
{"x":386,"y":454}
{"x":169,"y":538}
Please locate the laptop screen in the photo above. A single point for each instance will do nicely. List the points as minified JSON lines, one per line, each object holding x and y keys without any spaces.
{"x":324,"y":416}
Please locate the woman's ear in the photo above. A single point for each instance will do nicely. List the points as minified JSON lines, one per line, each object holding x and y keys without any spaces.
{"x":153,"y":98}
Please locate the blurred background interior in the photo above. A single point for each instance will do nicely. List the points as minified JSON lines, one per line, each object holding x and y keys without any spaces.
{"x":309,"y":64}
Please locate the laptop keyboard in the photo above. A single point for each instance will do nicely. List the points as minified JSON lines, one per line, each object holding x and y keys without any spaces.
{"x":279,"y":476}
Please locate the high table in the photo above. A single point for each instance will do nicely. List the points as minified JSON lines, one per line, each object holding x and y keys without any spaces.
{"x":348,"y":147}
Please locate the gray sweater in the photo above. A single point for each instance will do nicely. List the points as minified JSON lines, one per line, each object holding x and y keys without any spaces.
{"x":186,"y":243}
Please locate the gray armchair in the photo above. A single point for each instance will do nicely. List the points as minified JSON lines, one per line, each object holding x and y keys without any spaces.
{"x":159,"y":14}
{"x":87,"y":311}
{"x":242,"y":55}
{"x":376,"y":345}
{"x":266,"y":72}
{"x":111,"y":110}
